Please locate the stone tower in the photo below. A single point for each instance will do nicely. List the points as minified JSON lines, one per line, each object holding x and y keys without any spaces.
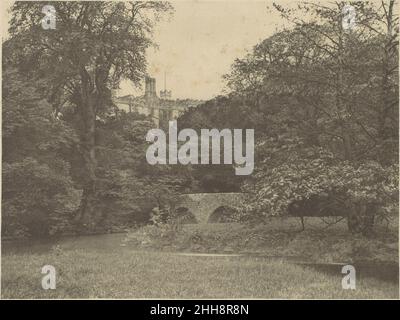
{"x":150,"y":88}
{"x":151,"y":99}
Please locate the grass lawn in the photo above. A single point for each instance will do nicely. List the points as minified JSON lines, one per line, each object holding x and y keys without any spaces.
{"x":145,"y":263}
{"x":131,"y":274}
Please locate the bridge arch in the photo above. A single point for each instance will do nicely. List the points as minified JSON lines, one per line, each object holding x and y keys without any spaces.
{"x":203,"y":205}
{"x":185,"y":215}
{"x":222,"y":214}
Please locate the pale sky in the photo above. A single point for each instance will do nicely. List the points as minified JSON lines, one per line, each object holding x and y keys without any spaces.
{"x":200,"y":42}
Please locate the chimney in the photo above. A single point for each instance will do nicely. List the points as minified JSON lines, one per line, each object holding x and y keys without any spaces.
{"x":165,"y":94}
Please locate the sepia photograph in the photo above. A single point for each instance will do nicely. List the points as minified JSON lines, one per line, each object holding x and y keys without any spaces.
{"x":192,"y":150}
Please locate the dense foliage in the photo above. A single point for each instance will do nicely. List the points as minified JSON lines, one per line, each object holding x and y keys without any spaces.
{"x":38,"y":191}
{"x":323,"y":101}
{"x":70,"y":163}
{"x":338,"y":108}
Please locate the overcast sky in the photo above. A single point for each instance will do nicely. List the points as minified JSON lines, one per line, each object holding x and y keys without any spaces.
{"x":200,"y":42}
{"x":198,"y":45}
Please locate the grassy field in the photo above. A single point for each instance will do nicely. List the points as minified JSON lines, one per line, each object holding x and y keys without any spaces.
{"x":147,"y":263}
{"x":128,"y":274}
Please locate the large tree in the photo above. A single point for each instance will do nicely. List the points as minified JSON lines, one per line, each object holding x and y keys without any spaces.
{"x":327,"y":97}
{"x":93,"y":46}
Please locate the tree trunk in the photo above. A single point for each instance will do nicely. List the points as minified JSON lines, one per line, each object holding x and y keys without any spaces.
{"x":387,"y":72}
{"x":87,"y":110}
{"x":361,"y":218}
{"x":90,"y":163}
{"x":353,"y":218}
{"x":341,"y":107}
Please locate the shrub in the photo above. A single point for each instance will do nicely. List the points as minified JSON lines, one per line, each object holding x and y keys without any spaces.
{"x":37,"y":200}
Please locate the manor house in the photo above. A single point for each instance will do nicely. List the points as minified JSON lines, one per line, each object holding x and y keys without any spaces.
{"x":161,"y":109}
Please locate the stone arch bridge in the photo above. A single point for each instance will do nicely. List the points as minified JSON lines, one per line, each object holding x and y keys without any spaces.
{"x":204,"y":205}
